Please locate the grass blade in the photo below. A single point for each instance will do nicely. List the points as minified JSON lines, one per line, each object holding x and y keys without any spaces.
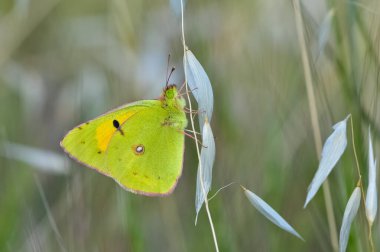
{"x":349,"y":215}
{"x":200,"y":86}
{"x":270,"y":213}
{"x":40,"y":159}
{"x":332,"y":150}
{"x":371,"y":198}
{"x":324,"y":31}
{"x":207,"y":161}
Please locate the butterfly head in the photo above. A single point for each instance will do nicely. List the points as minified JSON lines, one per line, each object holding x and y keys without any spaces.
{"x":171,"y":98}
{"x":170,"y":91}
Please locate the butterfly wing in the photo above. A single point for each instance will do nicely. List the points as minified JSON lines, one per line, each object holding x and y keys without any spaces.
{"x":142,"y":154}
{"x":147,"y":157}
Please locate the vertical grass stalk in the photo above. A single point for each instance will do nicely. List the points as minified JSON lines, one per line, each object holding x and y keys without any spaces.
{"x":360,"y":184}
{"x":314,"y":120}
{"x":196,"y":138}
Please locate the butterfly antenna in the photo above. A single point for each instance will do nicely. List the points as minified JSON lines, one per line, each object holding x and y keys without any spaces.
{"x":167,"y":71}
{"x":170,"y":74}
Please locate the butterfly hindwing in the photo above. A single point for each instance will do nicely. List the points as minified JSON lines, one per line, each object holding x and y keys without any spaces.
{"x":146,"y":157}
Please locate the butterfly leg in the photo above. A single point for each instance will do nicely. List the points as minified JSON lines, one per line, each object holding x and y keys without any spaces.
{"x":194,"y":112}
{"x":191,"y":136}
{"x":186,"y":92}
{"x":190,"y":131}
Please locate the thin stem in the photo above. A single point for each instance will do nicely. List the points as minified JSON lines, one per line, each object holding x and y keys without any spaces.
{"x":195,"y":136}
{"x":220,"y":189}
{"x":360,"y":183}
{"x":355,"y":155}
{"x":314,"y":120}
{"x":370,"y":238}
{"x":361,"y":186}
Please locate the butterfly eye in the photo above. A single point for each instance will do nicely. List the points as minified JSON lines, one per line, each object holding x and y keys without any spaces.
{"x":138,"y":149}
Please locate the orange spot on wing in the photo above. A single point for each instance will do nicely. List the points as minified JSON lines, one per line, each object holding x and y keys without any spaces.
{"x":106,"y":130}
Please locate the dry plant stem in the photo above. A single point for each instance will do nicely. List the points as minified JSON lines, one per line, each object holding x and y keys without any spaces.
{"x":51,"y":219}
{"x":370,"y":239}
{"x":220,"y":189}
{"x":195,"y":136}
{"x":356,"y":159}
{"x":360,"y":183}
{"x":314,"y":120}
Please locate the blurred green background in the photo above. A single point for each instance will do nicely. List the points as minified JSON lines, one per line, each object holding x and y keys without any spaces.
{"x":63,"y":62}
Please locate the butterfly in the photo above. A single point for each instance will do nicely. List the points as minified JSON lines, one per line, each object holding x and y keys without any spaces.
{"x":140,"y":145}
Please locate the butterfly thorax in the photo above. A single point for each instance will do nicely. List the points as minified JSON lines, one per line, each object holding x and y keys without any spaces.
{"x":174,"y":105}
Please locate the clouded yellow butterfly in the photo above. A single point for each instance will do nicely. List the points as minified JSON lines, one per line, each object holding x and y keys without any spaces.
{"x":140,"y":145}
